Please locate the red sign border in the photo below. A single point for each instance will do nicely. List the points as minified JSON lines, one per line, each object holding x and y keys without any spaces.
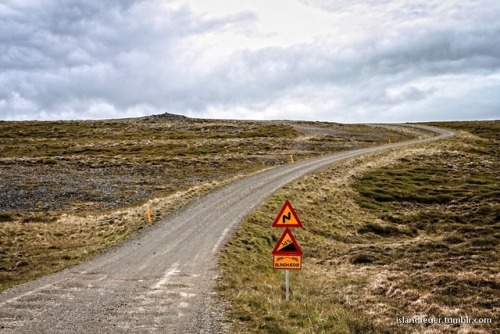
{"x":297,"y":252}
{"x":276,"y":222}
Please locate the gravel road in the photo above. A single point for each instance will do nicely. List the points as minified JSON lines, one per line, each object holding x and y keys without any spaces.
{"x":160,"y":280}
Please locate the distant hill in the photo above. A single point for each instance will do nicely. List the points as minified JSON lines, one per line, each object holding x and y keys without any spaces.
{"x":164,"y":117}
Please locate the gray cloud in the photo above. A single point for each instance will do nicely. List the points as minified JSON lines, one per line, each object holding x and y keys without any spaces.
{"x":69,"y":55}
{"x":365,"y":71}
{"x":94,"y":59}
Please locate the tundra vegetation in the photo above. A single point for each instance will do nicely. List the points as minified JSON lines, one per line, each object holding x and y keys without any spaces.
{"x":69,"y":189}
{"x":409,"y":232}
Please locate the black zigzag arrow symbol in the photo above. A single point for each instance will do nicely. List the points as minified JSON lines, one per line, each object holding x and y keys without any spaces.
{"x":288,"y":216}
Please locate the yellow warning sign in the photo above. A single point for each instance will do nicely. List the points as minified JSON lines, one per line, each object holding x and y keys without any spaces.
{"x":287,"y":245}
{"x":287,"y":262}
{"x":287,"y":217}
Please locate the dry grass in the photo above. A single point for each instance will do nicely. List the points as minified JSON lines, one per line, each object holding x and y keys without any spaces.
{"x":411,"y":232}
{"x":70,"y":189}
{"x":35,"y":248}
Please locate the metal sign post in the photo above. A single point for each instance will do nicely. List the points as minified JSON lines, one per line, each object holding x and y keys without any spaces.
{"x":287,"y":284}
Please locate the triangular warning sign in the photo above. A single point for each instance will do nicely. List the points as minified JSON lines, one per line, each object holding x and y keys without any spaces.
{"x":287,"y":217}
{"x":287,"y":245}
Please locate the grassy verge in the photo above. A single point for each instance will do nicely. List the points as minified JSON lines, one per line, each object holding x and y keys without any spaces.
{"x":70,"y":189}
{"x":42,"y":245}
{"x":411,"y":232}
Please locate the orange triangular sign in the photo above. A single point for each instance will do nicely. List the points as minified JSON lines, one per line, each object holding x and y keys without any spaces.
{"x":287,"y":217}
{"x":287,"y":245}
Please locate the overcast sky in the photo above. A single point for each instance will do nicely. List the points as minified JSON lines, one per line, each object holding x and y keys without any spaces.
{"x":342,"y":60}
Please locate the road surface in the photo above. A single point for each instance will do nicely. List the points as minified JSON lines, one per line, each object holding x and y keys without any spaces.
{"x":160,"y":280}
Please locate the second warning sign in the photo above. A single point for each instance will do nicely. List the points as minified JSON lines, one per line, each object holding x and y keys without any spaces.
{"x":287,"y":245}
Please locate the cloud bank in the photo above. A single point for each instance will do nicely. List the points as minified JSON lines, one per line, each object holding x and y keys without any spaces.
{"x":344,"y":61}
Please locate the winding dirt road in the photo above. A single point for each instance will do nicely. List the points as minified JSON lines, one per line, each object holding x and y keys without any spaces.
{"x":160,"y":280}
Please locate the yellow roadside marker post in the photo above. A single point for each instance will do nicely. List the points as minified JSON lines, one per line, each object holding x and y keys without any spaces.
{"x":148,"y":214}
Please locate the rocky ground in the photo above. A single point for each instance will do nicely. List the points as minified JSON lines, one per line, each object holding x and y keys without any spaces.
{"x":55,"y":167}
{"x":69,"y":189}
